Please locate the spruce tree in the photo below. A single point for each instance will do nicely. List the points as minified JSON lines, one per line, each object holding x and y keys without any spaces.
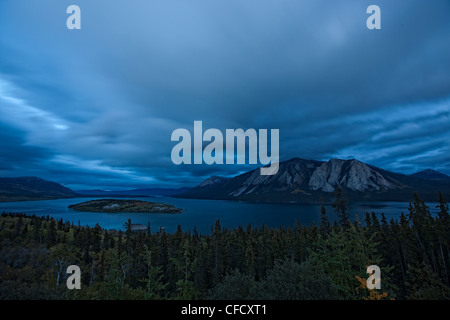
{"x":325,"y":225}
{"x":341,"y":208}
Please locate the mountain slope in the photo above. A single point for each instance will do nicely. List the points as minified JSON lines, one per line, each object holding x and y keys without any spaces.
{"x":300,"y":180}
{"x":147,"y":192}
{"x":32,"y":188}
{"x":430,"y":174}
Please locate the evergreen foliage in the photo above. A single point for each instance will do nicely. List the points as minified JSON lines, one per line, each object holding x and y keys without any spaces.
{"x":300,"y":262}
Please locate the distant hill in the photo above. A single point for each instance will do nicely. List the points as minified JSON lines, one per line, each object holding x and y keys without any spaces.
{"x":300,"y":180}
{"x":32,"y":188}
{"x":297,"y":180}
{"x":147,"y":192}
{"x":430,"y":174}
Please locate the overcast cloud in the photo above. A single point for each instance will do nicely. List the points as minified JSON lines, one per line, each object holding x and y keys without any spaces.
{"x":96,"y":107}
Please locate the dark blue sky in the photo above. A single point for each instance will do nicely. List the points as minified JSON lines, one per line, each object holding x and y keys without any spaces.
{"x":96,"y":107}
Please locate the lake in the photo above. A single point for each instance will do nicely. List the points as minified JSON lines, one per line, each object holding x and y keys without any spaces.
{"x":203,"y":214}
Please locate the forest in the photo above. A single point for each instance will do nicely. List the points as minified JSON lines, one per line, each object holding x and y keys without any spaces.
{"x":323,"y":261}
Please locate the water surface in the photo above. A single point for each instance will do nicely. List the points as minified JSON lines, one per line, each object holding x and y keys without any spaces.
{"x":203,"y":214}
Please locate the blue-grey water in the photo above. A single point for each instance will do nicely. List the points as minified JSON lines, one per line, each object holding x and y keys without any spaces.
{"x":203,"y":214}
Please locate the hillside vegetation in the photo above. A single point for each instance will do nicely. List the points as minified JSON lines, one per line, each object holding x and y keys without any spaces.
{"x":324,"y":261}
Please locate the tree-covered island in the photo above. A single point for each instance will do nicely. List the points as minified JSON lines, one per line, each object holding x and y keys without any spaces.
{"x":115,"y":205}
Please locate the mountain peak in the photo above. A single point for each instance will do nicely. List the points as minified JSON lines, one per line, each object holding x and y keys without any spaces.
{"x":299,"y":179}
{"x":352,"y":174}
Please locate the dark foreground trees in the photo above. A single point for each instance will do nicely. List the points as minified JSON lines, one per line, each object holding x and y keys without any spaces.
{"x":301,"y":262}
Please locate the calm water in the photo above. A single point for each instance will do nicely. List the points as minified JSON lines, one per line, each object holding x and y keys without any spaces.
{"x":203,"y":214}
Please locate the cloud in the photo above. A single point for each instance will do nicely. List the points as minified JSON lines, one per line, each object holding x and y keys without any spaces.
{"x":103,"y":101}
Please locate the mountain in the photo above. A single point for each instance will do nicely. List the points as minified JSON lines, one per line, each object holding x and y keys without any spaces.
{"x":430,"y":174}
{"x":32,"y":188}
{"x":147,"y":192}
{"x":300,"y":180}
{"x":212,"y":181}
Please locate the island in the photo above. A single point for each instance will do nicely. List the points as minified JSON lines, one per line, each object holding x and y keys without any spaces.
{"x":132,"y":206}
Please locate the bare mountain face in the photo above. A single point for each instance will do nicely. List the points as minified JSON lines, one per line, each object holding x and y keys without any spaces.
{"x":300,"y":180}
{"x":352,"y":174}
{"x":213,"y":180}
